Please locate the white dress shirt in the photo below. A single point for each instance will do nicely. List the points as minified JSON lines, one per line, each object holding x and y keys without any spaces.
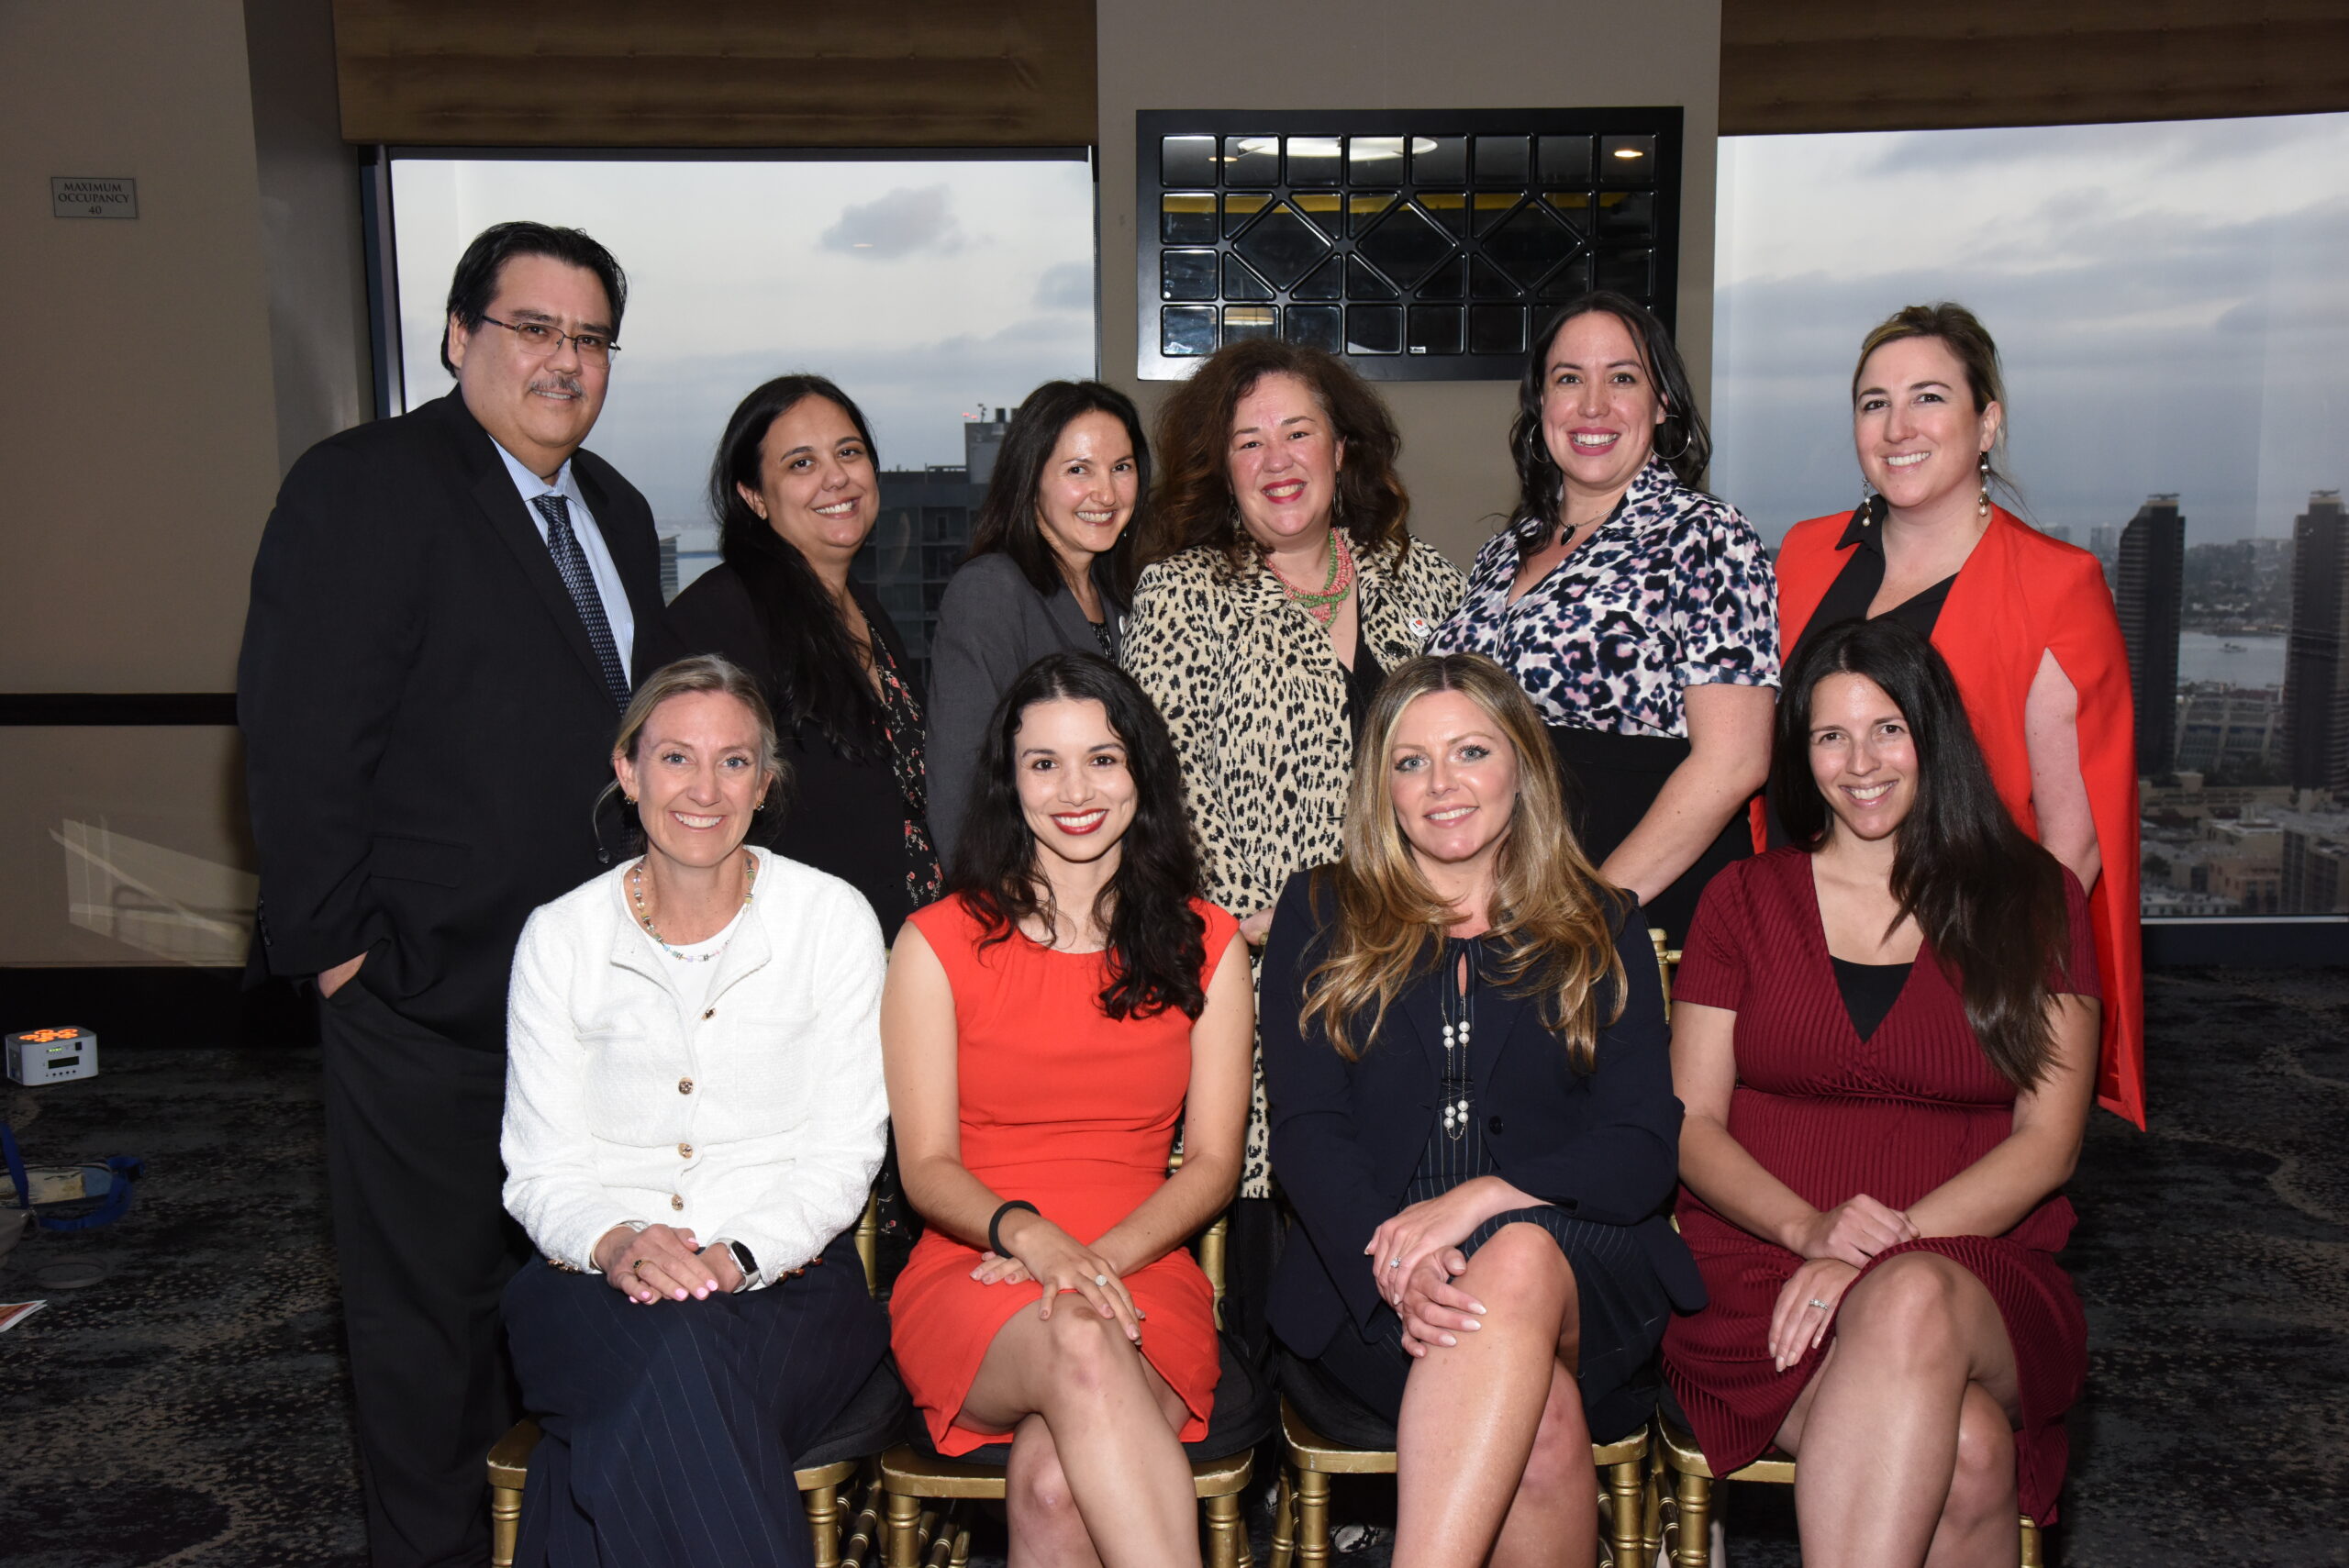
{"x":757,"y":1114}
{"x":591,"y":545}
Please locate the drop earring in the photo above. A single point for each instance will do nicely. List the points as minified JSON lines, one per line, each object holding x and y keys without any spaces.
{"x":1982,"y":506}
{"x":1865,"y":513}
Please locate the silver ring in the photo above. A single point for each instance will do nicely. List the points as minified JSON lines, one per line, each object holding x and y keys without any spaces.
{"x":1394,"y":1262}
{"x":1101,"y":1280}
{"x":1820,"y":1305}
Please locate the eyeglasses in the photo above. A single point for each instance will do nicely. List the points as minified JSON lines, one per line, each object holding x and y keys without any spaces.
{"x":539,"y":340}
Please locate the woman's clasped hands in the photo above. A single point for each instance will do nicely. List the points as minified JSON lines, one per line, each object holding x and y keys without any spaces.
{"x":1835,"y":1244}
{"x":1414,"y":1258}
{"x":1042,"y":1252}
{"x":661,"y":1261}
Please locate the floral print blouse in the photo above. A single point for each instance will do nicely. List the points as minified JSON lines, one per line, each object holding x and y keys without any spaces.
{"x":1672,"y":591}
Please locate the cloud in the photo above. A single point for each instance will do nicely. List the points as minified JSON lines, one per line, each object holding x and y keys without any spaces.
{"x":906,"y":221}
{"x":1068,"y":286}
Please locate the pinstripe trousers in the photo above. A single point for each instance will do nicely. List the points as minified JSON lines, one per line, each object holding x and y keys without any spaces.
{"x":670,"y":1429}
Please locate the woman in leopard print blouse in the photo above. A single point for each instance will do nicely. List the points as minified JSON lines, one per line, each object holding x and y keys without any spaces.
{"x":1638,"y":613}
{"x":1286,"y":584}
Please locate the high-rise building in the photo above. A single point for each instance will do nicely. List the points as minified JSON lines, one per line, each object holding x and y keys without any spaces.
{"x":2060,"y":532}
{"x":924,"y":531}
{"x":2150,"y":595}
{"x":2316,"y":681}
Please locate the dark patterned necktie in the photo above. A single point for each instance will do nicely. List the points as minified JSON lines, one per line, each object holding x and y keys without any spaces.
{"x":572,"y":562}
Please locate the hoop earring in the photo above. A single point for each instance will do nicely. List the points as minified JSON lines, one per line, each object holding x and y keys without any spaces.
{"x":1982,"y":506}
{"x":1688,"y":439}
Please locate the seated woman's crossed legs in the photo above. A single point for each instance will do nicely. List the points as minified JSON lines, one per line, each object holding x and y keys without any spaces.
{"x":1096,"y":1475}
{"x":1493,"y":1452}
{"x":1906,"y":1434}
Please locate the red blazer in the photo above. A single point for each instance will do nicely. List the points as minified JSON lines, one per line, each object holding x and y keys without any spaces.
{"x":2019,"y":595}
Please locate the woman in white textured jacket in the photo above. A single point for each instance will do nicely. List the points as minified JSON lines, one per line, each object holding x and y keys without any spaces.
{"x":694,"y":1110}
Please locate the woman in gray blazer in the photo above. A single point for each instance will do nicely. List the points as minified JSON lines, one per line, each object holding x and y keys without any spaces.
{"x":1051,"y":569}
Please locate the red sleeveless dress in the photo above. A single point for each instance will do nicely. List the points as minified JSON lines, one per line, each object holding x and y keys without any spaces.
{"x":1831,"y":1114}
{"x":1075,"y":1112}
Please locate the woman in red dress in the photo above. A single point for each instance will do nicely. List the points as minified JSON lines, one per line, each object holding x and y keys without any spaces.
{"x":1885,"y":1036}
{"x":1045,"y":1028}
{"x":2025,"y":621}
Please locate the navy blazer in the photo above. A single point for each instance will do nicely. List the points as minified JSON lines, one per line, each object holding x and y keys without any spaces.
{"x":1347,"y":1136}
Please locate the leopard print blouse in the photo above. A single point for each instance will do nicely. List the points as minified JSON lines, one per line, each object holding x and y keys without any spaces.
{"x":1256,"y":700}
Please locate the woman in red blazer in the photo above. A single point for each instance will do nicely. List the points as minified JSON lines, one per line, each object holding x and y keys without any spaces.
{"x":2026,"y":622}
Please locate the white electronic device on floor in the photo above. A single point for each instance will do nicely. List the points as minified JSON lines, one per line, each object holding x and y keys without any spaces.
{"x":52,"y":1056}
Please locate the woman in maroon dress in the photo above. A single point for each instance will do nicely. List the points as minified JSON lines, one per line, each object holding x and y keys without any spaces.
{"x":1886,"y":1037}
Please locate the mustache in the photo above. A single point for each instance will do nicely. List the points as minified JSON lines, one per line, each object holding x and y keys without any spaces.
{"x":560,"y":382}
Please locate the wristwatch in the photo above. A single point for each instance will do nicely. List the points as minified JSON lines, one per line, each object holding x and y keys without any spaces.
{"x":744,"y":1260}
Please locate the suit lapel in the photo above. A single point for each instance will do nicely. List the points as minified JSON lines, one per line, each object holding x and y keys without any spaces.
{"x":1423,"y":1011}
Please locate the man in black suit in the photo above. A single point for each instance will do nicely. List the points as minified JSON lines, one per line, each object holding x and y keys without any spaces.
{"x":447,"y":608}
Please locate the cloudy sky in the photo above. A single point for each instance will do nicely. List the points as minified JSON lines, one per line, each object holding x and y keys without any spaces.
{"x":925,"y":290}
{"x":2171,"y":301}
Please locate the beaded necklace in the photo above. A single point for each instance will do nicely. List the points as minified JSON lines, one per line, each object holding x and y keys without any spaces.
{"x":644,"y":916}
{"x":1459,"y":1023}
{"x":1323,"y":606}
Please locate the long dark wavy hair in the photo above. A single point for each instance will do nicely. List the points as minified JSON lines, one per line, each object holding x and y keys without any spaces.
{"x":817,"y":677}
{"x":1006,"y":520}
{"x":1989,"y":901}
{"x":1682,"y":440}
{"x":1195,"y":504}
{"x":1157,"y":941}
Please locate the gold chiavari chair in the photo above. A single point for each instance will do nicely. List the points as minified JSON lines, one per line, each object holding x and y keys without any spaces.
{"x":1685,"y":1490}
{"x":1301,"y":1513}
{"x":1222,"y":1464}
{"x":873,"y":1418}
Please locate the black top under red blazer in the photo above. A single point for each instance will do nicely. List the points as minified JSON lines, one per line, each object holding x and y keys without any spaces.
{"x":426,"y":727}
{"x":1347,"y":1136}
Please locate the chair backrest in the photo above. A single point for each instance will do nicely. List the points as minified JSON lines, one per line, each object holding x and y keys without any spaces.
{"x":1210,"y":1243}
{"x":1666,"y":961}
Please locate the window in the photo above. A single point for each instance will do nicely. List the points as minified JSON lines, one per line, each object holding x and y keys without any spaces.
{"x":1423,"y":246}
{"x":929,"y":291}
{"x":2166,"y":298}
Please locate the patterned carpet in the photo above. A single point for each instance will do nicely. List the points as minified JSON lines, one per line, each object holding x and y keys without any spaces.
{"x":192,"y":1408}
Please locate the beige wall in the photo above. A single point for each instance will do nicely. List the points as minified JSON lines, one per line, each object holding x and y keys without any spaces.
{"x":164,"y":370}
{"x":1375,"y":54}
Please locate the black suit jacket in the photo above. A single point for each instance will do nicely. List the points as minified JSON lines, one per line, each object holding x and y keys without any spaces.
{"x":1347,"y":1136}
{"x":426,"y":730}
{"x":842,"y":817}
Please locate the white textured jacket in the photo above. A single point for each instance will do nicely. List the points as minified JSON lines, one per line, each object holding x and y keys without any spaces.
{"x":760,"y":1119}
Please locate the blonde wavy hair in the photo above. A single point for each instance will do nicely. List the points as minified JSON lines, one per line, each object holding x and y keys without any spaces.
{"x":1552,"y":918}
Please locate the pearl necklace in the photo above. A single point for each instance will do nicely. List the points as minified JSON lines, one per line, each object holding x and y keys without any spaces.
{"x":1456,"y":1032}
{"x":645,"y":915}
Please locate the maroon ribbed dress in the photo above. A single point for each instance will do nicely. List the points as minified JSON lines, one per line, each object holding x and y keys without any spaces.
{"x":1831,"y":1114}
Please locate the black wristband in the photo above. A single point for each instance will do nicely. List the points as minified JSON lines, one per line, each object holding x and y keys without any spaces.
{"x":994,"y":1226}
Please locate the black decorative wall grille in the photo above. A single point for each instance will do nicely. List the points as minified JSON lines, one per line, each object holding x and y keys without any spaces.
{"x":1421,"y":245}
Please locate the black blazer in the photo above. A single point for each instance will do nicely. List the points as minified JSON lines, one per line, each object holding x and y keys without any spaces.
{"x":1347,"y":1137}
{"x":845,"y":818}
{"x":426,"y":731}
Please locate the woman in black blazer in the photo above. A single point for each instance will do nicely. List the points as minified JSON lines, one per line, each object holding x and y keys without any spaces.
{"x":795,"y":492}
{"x":1472,"y":1114}
{"x":1050,"y":571}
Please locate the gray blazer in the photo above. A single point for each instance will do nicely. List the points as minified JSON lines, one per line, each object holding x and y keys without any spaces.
{"x":992,"y":625}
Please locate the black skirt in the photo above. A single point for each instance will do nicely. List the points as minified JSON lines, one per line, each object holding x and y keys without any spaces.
{"x":1609,"y":782}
